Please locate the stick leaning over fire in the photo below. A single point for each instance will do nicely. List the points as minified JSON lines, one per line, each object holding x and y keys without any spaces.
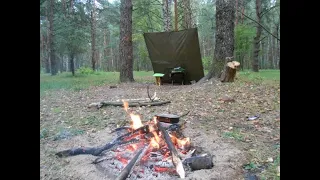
{"x":175,"y":156}
{"x":127,"y":170}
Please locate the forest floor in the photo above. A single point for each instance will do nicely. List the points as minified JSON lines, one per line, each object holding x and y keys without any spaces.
{"x":242,"y":148}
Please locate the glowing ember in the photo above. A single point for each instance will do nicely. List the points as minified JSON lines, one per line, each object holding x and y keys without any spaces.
{"x":164,"y":169}
{"x":121,"y":159}
{"x":132,"y":147}
{"x":136,"y":121}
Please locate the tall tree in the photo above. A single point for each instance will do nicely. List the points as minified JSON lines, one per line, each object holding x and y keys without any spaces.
{"x":93,"y":35}
{"x":187,"y":14}
{"x":256,"y":41}
{"x":167,"y":14}
{"x":53,"y":63}
{"x":224,"y":45}
{"x":125,"y":47}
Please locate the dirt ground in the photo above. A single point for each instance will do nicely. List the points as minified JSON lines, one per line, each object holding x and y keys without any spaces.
{"x":220,"y":128}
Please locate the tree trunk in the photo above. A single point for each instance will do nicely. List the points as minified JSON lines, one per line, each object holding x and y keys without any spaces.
{"x":62,"y":69}
{"x":166,"y":11}
{"x":72,"y":63}
{"x":175,"y":15}
{"x":224,"y":46}
{"x":187,"y":14}
{"x":125,"y":47}
{"x":270,"y":59}
{"x":53,"y":62}
{"x":93,"y":37}
{"x":236,"y":13}
{"x":256,"y":48}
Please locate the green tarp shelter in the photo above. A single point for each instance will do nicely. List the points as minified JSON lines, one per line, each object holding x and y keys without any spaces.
{"x":168,"y":50}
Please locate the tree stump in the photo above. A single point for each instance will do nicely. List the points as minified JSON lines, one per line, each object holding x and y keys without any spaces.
{"x":229,"y":72}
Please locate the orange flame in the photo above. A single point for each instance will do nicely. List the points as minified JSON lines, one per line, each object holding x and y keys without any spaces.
{"x":154,"y":143}
{"x":155,"y":119}
{"x":125,"y":105}
{"x":132,"y":147}
{"x":183,"y":143}
{"x":156,"y":137}
{"x":136,"y":121}
{"x":173,"y":139}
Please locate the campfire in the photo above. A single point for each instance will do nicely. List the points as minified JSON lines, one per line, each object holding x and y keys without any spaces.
{"x":149,"y":150}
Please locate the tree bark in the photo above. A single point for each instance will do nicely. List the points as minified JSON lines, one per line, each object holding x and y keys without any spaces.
{"x":187,"y":14}
{"x":224,"y":46}
{"x":166,"y":11}
{"x":175,"y":15}
{"x":125,"y":47}
{"x":256,"y":47}
{"x":72,"y":63}
{"x":53,"y":62}
{"x":93,"y":36}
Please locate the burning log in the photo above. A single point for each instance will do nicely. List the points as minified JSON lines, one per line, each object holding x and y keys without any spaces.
{"x":96,"y":151}
{"x":175,"y":157}
{"x":131,"y":104}
{"x":127,"y":170}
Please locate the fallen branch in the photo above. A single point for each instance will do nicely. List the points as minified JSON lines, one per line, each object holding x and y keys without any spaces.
{"x":175,"y":156}
{"x":96,"y":151}
{"x":131,"y":104}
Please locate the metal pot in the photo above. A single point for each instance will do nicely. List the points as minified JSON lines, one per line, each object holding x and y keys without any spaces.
{"x":168,"y":118}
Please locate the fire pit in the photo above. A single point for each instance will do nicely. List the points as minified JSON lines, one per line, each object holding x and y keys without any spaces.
{"x":146,"y":151}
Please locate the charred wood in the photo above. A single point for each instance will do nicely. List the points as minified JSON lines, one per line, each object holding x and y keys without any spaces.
{"x":199,"y":162}
{"x":127,"y":170}
{"x":175,"y":157}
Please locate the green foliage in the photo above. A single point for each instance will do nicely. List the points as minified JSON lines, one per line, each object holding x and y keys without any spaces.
{"x":250,"y":166}
{"x":206,"y":61}
{"x":81,"y":81}
{"x":271,"y":172}
{"x":235,"y":134}
{"x":85,"y":70}
{"x":244,"y":35}
{"x":66,"y":133}
{"x":268,"y":74}
{"x":43,"y":133}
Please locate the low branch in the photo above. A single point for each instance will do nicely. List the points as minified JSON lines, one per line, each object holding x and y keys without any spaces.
{"x":260,"y":25}
{"x":266,"y":11}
